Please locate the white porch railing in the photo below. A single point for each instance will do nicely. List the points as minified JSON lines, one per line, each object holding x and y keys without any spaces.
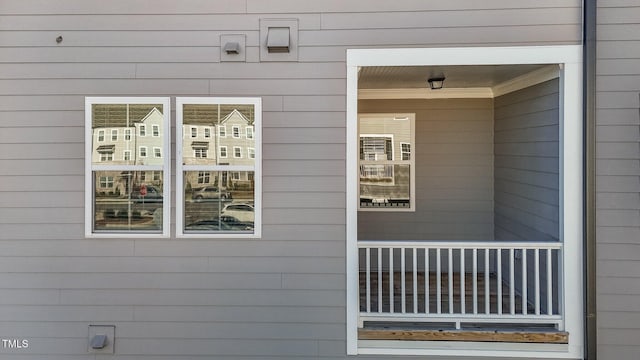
{"x":461,"y":282}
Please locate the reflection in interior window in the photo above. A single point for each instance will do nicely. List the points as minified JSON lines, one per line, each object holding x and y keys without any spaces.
{"x":385,"y":161}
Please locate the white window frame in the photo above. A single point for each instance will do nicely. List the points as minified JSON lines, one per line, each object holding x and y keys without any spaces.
{"x":569,"y":57}
{"x":207,"y":133}
{"x":155,"y":130}
{"x":402,"y":152}
{"x":146,"y":151}
{"x":237,"y":152}
{"x":124,"y":155}
{"x":249,"y":132}
{"x":157,"y":152}
{"x":256,"y":168}
{"x":251,"y":153}
{"x":194,"y":132}
{"x":100,"y":136}
{"x":142,"y":130}
{"x":226,"y":152}
{"x":106,"y":156}
{"x":201,"y":151}
{"x":90,"y":168}
{"x":127,"y":134}
{"x":204,"y":177}
{"x":222,"y":131}
{"x":114,"y":134}
{"x":235,"y":130}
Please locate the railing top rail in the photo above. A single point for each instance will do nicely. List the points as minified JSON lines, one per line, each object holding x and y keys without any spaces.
{"x":454,"y":244}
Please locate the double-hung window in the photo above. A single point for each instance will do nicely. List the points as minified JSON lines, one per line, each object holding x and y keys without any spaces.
{"x":219,"y":195}
{"x":387,"y":171}
{"x":119,"y":199}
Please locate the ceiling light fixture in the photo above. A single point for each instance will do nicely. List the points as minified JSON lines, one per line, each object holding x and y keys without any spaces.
{"x":436,"y":83}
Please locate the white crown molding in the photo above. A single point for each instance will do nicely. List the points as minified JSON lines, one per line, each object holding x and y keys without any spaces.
{"x":530,"y":79}
{"x":425,"y":93}
{"x":524,"y":81}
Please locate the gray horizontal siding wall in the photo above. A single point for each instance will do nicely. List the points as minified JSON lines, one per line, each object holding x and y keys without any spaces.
{"x":279,"y":297}
{"x":527,"y":163}
{"x":454,"y":173}
{"x":618,"y":179}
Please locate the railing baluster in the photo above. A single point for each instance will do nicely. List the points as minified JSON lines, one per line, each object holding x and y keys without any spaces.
{"x":391,"y":300}
{"x":475,"y":280}
{"x":536,"y":257}
{"x":403,"y":290}
{"x":524,"y":282}
{"x":438,"y":283}
{"x":427,"y":275}
{"x":499,"y":279}
{"x":487,"y":280}
{"x":463,"y":296}
{"x":549,"y":284}
{"x":368,"y":274}
{"x":512,"y":283}
{"x":380,"y":280}
{"x":415,"y":280}
{"x":450,"y":277}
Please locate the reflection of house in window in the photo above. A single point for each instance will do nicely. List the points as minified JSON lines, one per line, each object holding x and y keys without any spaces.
{"x":106,"y":182}
{"x":405,"y":150}
{"x":376,"y":147}
{"x":106,"y":152}
{"x":203,"y":177}
{"x":200,"y":149}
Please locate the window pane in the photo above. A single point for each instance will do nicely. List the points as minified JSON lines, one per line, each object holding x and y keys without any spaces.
{"x":132,"y":120}
{"x":125,"y":202}
{"x":385,"y":186}
{"x":219,"y":201}
{"x":201,"y":147}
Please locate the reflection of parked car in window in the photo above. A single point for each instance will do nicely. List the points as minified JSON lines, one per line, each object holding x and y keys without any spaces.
{"x":210,"y":192}
{"x":242,"y":212}
{"x":153,"y":194}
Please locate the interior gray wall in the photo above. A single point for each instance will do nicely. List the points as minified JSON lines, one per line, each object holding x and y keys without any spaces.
{"x":279,"y":297}
{"x":618,"y":179}
{"x":527,"y":178}
{"x":527,"y":164}
{"x":454,"y":173}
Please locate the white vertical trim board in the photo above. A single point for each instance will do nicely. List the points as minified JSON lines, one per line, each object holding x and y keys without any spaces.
{"x":568,"y":58}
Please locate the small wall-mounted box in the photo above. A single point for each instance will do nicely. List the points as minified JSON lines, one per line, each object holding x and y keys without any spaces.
{"x":233,"y":47}
{"x":278,"y":39}
{"x":102,"y":339}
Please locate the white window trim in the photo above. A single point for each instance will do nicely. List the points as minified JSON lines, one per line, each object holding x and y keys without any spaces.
{"x":100,"y":134}
{"x":224,"y":128}
{"x":154,"y":152}
{"x":89,"y":168}
{"x":207,"y":133}
{"x":256,"y":168}
{"x":114,"y":132}
{"x":146,"y":152}
{"x":142,"y":129}
{"x":249,"y":130}
{"x":194,"y":132}
{"x":251,"y":151}
{"x":127,"y":134}
{"x":124,"y":155}
{"x":226,"y":152}
{"x":155,"y":129}
{"x":571,"y":184}
{"x":239,"y":148}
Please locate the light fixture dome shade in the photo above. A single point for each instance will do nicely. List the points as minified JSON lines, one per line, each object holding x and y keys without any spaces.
{"x":436,"y":83}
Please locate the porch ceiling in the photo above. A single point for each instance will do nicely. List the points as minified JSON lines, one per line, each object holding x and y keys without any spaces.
{"x":409,"y":77}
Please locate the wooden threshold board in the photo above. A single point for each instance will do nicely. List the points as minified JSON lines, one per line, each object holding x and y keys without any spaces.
{"x":513,"y":336}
